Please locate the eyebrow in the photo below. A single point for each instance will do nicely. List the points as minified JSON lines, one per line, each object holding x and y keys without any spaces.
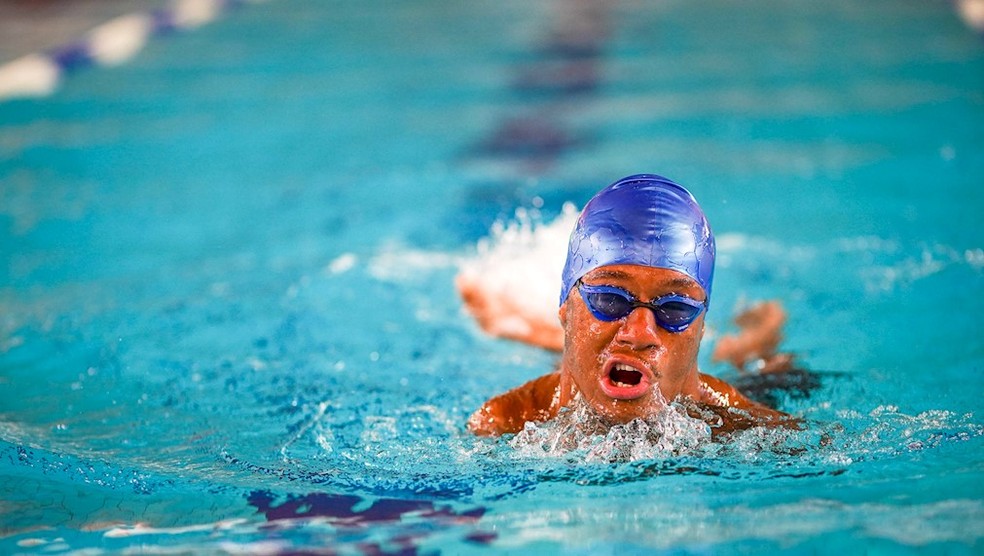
{"x":683,"y":282}
{"x":601,"y":273}
{"x":679,"y":282}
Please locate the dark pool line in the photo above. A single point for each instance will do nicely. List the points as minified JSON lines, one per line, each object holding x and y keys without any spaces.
{"x":564,"y":75}
{"x":556,"y":78}
{"x":339,"y":510}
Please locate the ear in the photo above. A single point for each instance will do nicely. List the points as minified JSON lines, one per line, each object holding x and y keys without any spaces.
{"x":562,"y":314}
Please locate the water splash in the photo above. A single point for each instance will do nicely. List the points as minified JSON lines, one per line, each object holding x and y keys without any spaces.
{"x":524,"y":258}
{"x":579,"y":434}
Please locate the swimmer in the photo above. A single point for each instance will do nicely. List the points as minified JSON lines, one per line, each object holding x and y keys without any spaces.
{"x":635,"y":289}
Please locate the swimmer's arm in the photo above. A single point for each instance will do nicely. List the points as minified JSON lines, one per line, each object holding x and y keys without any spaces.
{"x":758,"y":339}
{"x":508,"y":413}
{"x":723,"y":394}
{"x":500,"y":316}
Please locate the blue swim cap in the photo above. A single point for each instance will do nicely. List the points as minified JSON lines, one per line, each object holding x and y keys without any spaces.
{"x":645,"y":220}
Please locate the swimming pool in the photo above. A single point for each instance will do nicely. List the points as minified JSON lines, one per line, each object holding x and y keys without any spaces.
{"x":227,"y":313}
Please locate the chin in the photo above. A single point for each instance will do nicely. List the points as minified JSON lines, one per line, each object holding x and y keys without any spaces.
{"x":623,"y":411}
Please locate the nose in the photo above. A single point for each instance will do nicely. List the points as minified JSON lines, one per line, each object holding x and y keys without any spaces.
{"x":639,"y":330}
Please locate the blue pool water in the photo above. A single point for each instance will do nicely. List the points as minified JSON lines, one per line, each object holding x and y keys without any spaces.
{"x":228,"y":320}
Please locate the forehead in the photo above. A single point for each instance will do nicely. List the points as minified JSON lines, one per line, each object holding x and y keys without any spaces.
{"x":646,"y":280}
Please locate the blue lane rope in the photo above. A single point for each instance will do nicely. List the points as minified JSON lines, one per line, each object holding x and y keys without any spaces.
{"x":112,"y":43}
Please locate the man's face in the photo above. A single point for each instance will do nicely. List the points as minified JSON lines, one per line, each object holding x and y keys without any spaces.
{"x":630,"y":367}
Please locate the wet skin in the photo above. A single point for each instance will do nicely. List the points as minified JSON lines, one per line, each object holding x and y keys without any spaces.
{"x":626,"y":368}
{"x":629,"y":367}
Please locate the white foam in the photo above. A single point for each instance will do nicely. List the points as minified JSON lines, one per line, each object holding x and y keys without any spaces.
{"x":524,"y":259}
{"x":579,"y":432}
{"x":342,"y":263}
{"x":883,"y":263}
{"x":931,"y":260}
{"x":399,"y":264}
{"x":975,"y":258}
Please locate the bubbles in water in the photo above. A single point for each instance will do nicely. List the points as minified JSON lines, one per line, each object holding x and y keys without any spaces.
{"x":579,"y":433}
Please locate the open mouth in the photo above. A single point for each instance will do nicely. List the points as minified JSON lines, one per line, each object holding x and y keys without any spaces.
{"x":624,"y":382}
{"x":624,"y":375}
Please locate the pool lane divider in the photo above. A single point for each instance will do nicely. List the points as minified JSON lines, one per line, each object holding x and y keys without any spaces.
{"x":111,"y":44}
{"x":972,"y":14}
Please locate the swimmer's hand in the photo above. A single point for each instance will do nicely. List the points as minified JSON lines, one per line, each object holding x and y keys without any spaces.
{"x":499,"y":315}
{"x":758,"y":340}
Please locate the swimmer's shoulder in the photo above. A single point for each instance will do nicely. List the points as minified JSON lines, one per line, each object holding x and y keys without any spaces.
{"x":508,"y":413}
{"x":718,"y":393}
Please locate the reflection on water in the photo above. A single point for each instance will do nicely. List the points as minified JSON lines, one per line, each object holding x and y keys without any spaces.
{"x":226,"y":275}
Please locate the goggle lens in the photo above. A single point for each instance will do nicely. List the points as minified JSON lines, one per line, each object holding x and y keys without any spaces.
{"x":608,"y":303}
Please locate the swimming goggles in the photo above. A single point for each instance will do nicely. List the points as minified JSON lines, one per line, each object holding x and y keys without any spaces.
{"x":673,"y":312}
